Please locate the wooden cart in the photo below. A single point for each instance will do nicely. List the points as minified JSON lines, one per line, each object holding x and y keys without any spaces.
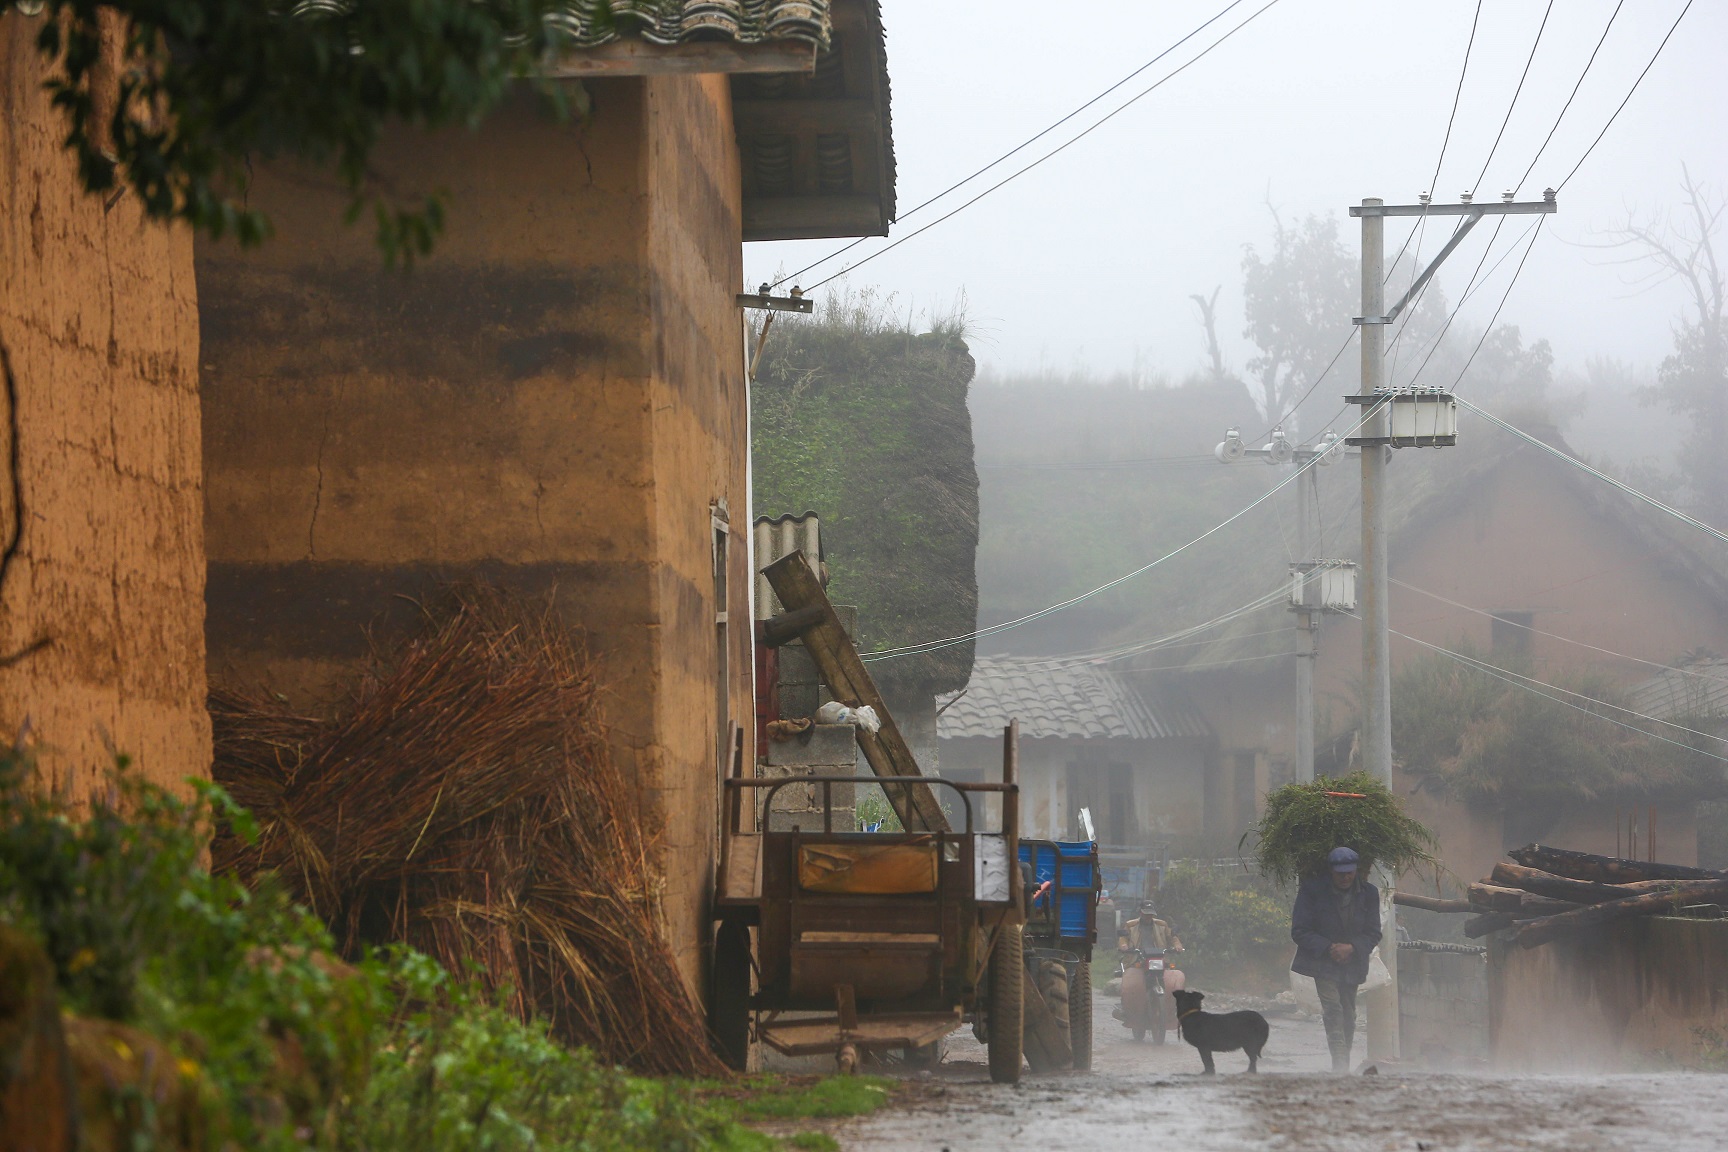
{"x":869,"y":940}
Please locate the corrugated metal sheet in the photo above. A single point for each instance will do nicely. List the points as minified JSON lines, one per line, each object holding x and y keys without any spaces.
{"x":594,"y":22}
{"x":1075,"y":701}
{"x":1698,"y":691}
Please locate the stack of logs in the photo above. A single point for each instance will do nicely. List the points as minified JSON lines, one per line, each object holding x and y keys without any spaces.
{"x":1549,"y":892}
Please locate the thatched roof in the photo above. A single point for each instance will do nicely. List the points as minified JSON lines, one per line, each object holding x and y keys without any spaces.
{"x":866,"y":423}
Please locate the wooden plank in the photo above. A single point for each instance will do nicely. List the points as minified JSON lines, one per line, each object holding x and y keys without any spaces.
{"x":1431,"y":903}
{"x":837,"y":660}
{"x":741,"y":873}
{"x":1604,"y":869}
{"x":817,"y":1035}
{"x":634,"y":57}
{"x":1541,"y":883}
{"x":813,"y":217}
{"x":1534,"y":932}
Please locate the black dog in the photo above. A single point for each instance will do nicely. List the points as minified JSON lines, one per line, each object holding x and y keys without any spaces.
{"x":1220,"y":1031}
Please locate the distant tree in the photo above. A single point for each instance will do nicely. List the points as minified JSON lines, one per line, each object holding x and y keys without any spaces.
{"x":1693,"y":380}
{"x":173,"y":100}
{"x":1299,"y":299}
{"x":1208,"y":306}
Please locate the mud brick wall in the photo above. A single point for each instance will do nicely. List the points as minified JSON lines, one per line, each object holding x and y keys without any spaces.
{"x":1643,"y":994}
{"x":99,"y":313}
{"x":1442,"y":1008}
{"x":552,"y":402}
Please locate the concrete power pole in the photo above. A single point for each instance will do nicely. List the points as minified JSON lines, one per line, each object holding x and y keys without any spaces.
{"x":1402,"y":418}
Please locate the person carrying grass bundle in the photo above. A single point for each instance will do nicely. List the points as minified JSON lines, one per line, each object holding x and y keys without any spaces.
{"x":1336,"y":924}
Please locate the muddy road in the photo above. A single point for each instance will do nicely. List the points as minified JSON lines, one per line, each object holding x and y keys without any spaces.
{"x":1142,"y":1097}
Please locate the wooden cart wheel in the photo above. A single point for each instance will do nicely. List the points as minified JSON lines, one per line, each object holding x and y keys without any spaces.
{"x":729,"y":999}
{"x":1005,"y":1012}
{"x":1080,"y":1015}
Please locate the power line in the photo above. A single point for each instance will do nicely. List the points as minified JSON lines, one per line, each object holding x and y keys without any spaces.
{"x":1070,"y":142}
{"x":1518,"y":681}
{"x":1511,"y":107}
{"x":978,"y":634}
{"x":1535,"y":234}
{"x":1690,"y":521}
{"x":1653,"y":58}
{"x":1018,"y":148}
{"x":1091,"y":465}
{"x":1163,"y":643}
{"x":1434,"y":180}
{"x":1556,"y":636}
{"x":1525,"y":75}
{"x":1563,"y":109}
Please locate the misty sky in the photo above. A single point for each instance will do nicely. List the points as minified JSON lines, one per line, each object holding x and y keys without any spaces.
{"x":1090,"y":258}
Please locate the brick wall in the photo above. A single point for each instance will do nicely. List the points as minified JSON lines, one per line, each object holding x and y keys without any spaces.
{"x":99,"y":313}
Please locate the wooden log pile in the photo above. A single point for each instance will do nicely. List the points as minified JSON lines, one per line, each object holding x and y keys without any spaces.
{"x":1545,"y":893}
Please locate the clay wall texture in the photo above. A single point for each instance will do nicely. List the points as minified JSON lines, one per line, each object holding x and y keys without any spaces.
{"x":1634,"y":996}
{"x":99,"y":312}
{"x":1442,"y":1008}
{"x":552,"y":401}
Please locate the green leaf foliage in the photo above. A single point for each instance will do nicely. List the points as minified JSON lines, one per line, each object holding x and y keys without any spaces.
{"x":1479,"y":737}
{"x":209,"y":87}
{"x":1302,"y":823}
{"x":855,"y":416}
{"x":291,"y":1048}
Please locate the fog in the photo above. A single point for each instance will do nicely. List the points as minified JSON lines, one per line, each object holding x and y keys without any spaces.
{"x":1090,"y":258}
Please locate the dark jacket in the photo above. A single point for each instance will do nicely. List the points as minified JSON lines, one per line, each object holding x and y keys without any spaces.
{"x":1316,"y":924}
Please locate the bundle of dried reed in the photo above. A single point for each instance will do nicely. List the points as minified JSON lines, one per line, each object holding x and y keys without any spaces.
{"x":464,"y":802}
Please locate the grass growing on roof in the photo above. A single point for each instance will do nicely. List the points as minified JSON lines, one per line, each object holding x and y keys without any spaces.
{"x":1304,"y":822}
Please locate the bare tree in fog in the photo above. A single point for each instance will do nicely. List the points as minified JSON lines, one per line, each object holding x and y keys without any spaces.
{"x":1298,"y":302}
{"x":1208,"y":306}
{"x":1693,"y":380}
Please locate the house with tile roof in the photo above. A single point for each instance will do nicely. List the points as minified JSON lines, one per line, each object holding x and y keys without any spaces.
{"x":556,"y":397}
{"x":1090,"y":737}
{"x":1498,"y":548}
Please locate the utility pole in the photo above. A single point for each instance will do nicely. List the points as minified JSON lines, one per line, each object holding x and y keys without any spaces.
{"x":1312,"y":592}
{"x":1406,"y":418}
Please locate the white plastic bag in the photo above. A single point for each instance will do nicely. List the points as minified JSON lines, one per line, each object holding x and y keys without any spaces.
{"x":1378,"y":976}
{"x":835,"y":712}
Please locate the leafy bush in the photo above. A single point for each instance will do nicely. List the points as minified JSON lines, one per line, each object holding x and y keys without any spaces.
{"x":292,"y":1048}
{"x":1302,"y":823}
{"x":1481,"y":738}
{"x":1224,"y":918}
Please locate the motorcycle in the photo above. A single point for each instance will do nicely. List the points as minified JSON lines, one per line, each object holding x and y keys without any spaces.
{"x":1147,"y":980}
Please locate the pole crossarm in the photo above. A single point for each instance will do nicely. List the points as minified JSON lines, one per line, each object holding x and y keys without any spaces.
{"x":1505,"y":208}
{"x":1473,"y":214}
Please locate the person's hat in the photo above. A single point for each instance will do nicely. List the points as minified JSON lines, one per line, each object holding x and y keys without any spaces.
{"x":1343,"y":859}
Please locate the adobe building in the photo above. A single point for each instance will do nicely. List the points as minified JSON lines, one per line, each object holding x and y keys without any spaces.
{"x":555,"y":401}
{"x":1530,"y":561}
{"x":101,"y":495}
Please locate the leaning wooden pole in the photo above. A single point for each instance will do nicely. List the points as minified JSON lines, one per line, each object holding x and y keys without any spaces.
{"x":825,"y":638}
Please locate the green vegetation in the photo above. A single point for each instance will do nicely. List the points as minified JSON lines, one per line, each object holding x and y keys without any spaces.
{"x":769,"y":1097}
{"x":1480,"y":738}
{"x":864,"y":421}
{"x":219,"y":85}
{"x":1235,"y":927}
{"x":278,"y":1044}
{"x":1304,"y":822}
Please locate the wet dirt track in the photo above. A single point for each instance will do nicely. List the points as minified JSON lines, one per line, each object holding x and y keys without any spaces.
{"x":1143,"y":1097}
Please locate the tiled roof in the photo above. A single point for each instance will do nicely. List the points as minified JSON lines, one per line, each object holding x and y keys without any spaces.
{"x":1075,"y":701}
{"x":593,"y":22}
{"x":1697,"y":691}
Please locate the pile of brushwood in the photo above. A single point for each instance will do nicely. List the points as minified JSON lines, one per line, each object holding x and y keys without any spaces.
{"x":1302,"y":823}
{"x":1545,"y":893}
{"x":148,"y":1005}
{"x":464,"y":803}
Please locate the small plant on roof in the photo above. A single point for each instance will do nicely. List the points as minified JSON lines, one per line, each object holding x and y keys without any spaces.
{"x":1304,"y":822}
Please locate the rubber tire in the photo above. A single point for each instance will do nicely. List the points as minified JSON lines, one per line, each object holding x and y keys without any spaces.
{"x":1160,"y":1027}
{"x":1080,"y":1016}
{"x":1006,"y":1009}
{"x":729,"y":997}
{"x":1139,"y":1034}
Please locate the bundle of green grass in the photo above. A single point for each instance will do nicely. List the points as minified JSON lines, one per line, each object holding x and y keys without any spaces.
{"x":1304,"y":822}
